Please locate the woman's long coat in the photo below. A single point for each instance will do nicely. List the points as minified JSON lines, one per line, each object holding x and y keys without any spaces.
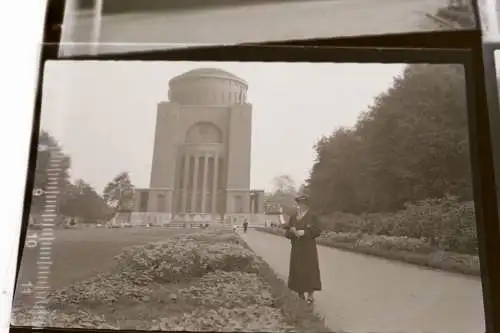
{"x":304,"y":274}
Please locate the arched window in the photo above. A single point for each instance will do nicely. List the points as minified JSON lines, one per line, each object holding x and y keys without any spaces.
{"x":204,"y":132}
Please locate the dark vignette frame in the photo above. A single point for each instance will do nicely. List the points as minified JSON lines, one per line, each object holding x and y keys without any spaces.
{"x":479,"y":126}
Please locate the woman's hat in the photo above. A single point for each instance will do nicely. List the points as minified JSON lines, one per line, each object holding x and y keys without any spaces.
{"x":302,"y":199}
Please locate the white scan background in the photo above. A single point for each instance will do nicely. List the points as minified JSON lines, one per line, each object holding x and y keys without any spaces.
{"x":21,"y":31}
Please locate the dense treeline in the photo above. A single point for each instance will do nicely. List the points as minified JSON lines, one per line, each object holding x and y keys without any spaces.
{"x":78,"y":199}
{"x":412,"y":144}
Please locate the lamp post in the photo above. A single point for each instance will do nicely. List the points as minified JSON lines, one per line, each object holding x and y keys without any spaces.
{"x":252,"y":205}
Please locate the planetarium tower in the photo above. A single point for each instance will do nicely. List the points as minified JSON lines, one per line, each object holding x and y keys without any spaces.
{"x":202,"y":146}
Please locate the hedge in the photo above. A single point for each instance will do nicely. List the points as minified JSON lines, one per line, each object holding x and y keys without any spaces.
{"x":445,"y":224}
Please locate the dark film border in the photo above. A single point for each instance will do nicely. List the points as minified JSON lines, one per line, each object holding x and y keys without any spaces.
{"x":479,"y":128}
{"x":287,"y":53}
{"x":493,"y":98}
{"x":482,"y":133}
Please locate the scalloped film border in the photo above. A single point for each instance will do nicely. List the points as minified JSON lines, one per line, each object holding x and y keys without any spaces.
{"x":47,"y":236}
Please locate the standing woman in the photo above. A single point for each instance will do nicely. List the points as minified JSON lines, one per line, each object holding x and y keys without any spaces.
{"x":303,"y":229}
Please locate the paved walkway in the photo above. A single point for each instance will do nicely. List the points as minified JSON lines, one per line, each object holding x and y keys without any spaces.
{"x":262,"y":22}
{"x":365,"y":294}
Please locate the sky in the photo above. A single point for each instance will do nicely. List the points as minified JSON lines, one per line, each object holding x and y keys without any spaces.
{"x":103,"y":113}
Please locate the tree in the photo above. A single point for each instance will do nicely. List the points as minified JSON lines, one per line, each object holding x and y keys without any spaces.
{"x":82,"y":201}
{"x":412,"y":144}
{"x":120,"y":194}
{"x":303,"y":189}
{"x":284,"y":184}
{"x":284,"y":193}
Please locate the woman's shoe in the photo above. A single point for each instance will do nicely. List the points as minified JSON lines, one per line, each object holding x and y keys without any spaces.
{"x":310,"y":301}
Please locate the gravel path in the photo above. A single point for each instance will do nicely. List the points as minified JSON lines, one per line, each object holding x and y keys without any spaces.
{"x":366,"y":294}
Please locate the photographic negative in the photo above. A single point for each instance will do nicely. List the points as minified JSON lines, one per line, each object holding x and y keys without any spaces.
{"x":110,"y":26}
{"x":182,"y":188}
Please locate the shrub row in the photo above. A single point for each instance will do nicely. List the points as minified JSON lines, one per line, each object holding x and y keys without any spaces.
{"x":405,"y":249}
{"x":442,"y":224}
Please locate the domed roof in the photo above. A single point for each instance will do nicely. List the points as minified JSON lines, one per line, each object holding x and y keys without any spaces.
{"x":207,"y":72}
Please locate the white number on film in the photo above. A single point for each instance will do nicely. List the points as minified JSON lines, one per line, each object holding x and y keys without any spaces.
{"x":26,"y":288}
{"x":38,"y":192}
{"x":31,"y":241}
{"x":43,"y":147}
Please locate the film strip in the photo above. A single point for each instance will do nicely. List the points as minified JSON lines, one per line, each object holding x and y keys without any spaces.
{"x":42,"y":238}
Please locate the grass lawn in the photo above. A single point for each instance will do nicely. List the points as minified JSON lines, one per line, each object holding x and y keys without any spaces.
{"x":81,"y":253}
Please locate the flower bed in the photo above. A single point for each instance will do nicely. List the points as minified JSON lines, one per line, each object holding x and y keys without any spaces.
{"x":204,"y":281}
{"x":410,"y":250}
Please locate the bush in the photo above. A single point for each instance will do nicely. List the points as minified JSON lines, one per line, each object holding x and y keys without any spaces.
{"x":183,"y":257}
{"x":445,"y":224}
{"x":392,"y":243}
{"x":340,"y":237}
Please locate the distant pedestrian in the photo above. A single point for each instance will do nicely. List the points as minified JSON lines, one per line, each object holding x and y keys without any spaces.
{"x":303,"y":229}
{"x":245,"y":226}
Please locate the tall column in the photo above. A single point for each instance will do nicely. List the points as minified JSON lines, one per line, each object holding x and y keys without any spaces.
{"x":252,"y":203}
{"x":215,"y":187}
{"x":194,"y":193}
{"x":187,"y":160}
{"x":204,"y":186}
